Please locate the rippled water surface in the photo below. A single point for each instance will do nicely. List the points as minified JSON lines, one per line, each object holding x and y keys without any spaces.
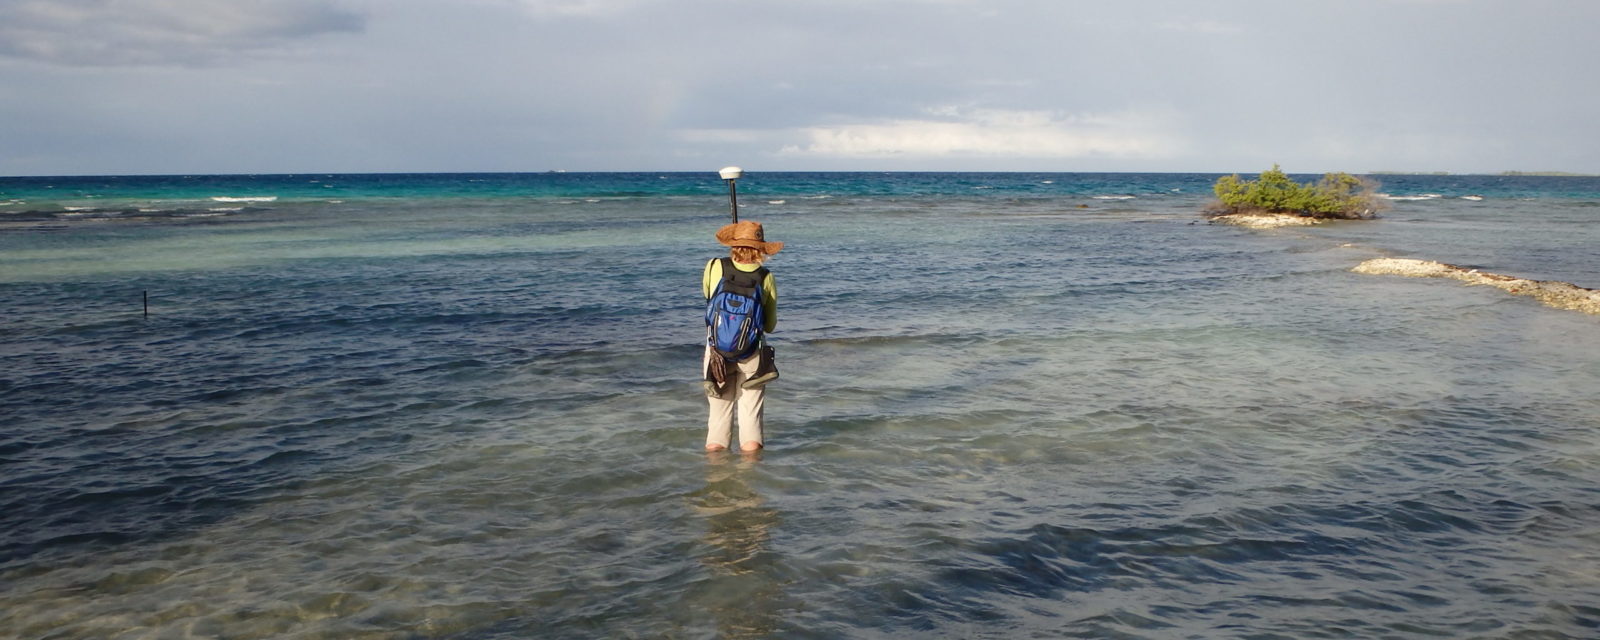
{"x":1011,"y":406}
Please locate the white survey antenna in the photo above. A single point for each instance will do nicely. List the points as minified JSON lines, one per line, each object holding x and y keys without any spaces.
{"x":731,"y":173}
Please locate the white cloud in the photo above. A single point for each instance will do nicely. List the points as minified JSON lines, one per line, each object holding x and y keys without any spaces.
{"x":160,"y":32}
{"x":956,"y":132}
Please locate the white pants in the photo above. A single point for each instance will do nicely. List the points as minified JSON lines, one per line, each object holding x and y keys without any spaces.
{"x":719,"y":426}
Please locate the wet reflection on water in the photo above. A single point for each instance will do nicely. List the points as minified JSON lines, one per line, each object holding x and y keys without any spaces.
{"x":742,"y":595}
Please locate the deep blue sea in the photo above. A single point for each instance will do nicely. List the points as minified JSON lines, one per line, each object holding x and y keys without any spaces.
{"x":1012,"y":406}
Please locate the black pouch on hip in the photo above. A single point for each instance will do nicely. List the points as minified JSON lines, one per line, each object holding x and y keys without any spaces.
{"x":766,"y":369}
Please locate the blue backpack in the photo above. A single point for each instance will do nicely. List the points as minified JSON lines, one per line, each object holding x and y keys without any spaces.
{"x":734,"y":312}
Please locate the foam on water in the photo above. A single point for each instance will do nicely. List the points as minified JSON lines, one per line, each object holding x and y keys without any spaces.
{"x":1000,"y":415}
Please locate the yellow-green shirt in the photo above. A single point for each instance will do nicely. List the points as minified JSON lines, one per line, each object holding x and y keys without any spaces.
{"x":769,"y":291}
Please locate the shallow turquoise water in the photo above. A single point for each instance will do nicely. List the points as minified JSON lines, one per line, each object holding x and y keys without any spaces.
{"x":423,"y":410}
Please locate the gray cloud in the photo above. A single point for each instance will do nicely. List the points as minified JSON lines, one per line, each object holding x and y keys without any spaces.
{"x":113,"y":33}
{"x":509,"y":85}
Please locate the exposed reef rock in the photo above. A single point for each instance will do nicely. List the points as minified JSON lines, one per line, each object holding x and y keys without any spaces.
{"x":1560,"y":295}
{"x":1266,"y":220}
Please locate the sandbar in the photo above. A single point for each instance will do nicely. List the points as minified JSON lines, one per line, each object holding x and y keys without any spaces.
{"x":1266,"y":220}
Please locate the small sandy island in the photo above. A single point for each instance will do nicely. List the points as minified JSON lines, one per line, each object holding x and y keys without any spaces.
{"x":1560,"y":295}
{"x":1266,"y":220}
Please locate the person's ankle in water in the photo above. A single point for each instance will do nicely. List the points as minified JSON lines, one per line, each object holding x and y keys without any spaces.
{"x":713,"y":448}
{"x":750,"y":446}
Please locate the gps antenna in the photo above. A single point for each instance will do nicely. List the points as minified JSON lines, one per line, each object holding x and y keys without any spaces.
{"x":731,"y":174}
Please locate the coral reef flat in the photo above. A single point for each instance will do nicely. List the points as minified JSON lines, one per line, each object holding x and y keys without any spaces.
{"x":1561,"y":295}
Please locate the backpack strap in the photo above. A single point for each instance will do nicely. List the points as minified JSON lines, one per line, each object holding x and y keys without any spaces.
{"x":732,"y":274}
{"x":728,"y":268}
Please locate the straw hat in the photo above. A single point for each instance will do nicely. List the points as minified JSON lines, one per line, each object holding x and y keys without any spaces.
{"x":747,"y":234}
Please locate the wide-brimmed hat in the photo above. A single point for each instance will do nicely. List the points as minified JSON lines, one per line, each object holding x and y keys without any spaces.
{"x":747,"y":234}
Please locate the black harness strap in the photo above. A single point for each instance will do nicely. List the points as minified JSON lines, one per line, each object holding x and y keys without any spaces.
{"x":741,"y":282}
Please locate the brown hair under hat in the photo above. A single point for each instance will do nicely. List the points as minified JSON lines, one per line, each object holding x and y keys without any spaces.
{"x":747,"y":234}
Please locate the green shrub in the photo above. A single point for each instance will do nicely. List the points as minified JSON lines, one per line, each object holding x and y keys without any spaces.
{"x":1336,"y":195}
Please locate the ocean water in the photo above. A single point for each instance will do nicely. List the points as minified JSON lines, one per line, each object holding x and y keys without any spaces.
{"x":1012,"y":406}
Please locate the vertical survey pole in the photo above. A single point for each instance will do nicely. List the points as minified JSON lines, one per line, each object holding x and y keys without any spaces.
{"x":730,"y":174}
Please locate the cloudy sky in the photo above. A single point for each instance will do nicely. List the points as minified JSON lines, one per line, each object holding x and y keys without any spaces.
{"x":283,"y":86}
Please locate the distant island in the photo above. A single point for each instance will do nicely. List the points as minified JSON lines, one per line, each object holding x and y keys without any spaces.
{"x":1559,"y":174}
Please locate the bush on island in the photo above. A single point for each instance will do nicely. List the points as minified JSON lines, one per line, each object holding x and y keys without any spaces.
{"x":1337,"y":195}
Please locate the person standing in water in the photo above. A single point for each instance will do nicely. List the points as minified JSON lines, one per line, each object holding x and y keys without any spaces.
{"x":739,"y":379}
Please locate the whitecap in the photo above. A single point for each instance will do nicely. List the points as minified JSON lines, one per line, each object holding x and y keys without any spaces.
{"x":1047,"y":182}
{"x":776,"y":201}
{"x":1124,"y":197}
{"x":1472,"y":198}
{"x":244,"y":198}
